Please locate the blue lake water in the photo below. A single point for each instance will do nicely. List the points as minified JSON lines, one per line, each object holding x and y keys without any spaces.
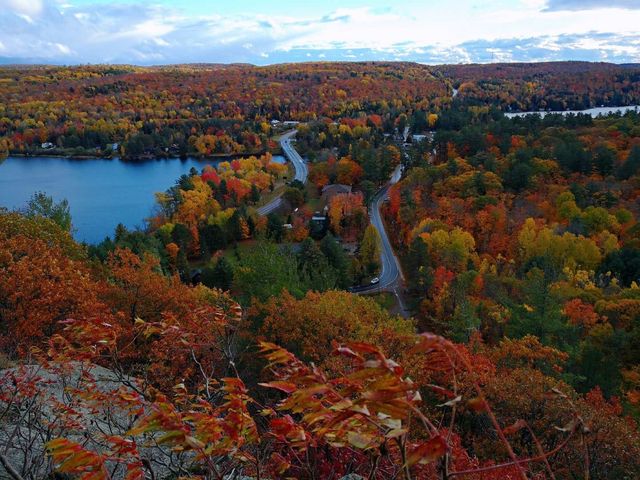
{"x":594,"y":112}
{"x":101,"y":192}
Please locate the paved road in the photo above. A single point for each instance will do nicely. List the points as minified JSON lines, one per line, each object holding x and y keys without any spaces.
{"x":391,"y":275}
{"x":302,"y":171}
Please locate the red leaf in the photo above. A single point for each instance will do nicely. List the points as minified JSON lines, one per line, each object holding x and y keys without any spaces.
{"x":361,"y":347}
{"x":347,"y":352}
{"x":428,"y":451}
{"x":285,"y":387}
{"x":516,"y":427}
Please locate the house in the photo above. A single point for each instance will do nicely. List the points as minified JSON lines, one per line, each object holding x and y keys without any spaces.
{"x":330,"y":191}
{"x":336,"y":188}
{"x":47,"y":145}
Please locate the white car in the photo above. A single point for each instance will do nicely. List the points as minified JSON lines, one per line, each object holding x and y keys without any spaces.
{"x":375,"y":281}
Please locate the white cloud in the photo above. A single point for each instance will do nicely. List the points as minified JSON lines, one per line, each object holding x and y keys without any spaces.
{"x":592,"y":4}
{"x":128,"y":32}
{"x":160,"y":42}
{"x":63,"y":49}
{"x":24,"y":7}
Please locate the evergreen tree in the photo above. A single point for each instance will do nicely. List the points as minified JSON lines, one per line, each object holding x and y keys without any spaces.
{"x":255,"y":194}
{"x":220,"y":276}
{"x":631,"y":166}
{"x":41,"y":204}
{"x":275,"y":227}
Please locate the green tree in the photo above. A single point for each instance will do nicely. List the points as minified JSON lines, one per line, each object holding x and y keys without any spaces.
{"x":337,"y":258}
{"x":631,"y":165}
{"x":623,"y":264}
{"x":518,"y":176}
{"x":418,"y":265}
{"x":220,"y":276}
{"x":315,"y":268}
{"x":181,"y":236}
{"x":255,"y":193}
{"x":368,"y":189}
{"x":266,"y":271}
{"x":275,"y":227}
{"x":294,"y":197}
{"x":212,"y":238}
{"x":598,"y":361}
{"x":42,"y":205}
{"x":234,"y":227}
{"x":604,"y":160}
{"x":540,"y":313}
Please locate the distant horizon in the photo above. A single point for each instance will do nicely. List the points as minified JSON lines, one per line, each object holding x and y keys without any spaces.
{"x":159,"y":32}
{"x":302,"y":62}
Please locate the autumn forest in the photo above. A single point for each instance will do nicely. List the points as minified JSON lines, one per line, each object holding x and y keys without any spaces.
{"x":429,"y":287}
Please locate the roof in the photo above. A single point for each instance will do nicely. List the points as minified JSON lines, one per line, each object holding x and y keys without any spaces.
{"x":336,"y":188}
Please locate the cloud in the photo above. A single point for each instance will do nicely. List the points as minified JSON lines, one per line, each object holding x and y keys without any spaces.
{"x":606,"y":47}
{"x":559,"y":5}
{"x":24,"y":7}
{"x":146,"y":33}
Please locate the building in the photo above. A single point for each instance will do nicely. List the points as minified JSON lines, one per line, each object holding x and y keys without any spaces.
{"x":330,"y":191}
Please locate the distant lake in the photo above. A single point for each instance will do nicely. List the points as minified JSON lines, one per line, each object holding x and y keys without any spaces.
{"x":101,"y":192}
{"x":594,"y":112}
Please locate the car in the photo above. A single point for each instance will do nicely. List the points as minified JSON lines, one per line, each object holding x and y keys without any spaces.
{"x":375,"y":281}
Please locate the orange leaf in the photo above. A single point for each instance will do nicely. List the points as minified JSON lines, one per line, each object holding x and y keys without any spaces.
{"x":428,"y":451}
{"x":285,"y":387}
{"x":477,"y":405}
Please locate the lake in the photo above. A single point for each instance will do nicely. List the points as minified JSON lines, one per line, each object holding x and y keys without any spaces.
{"x":594,"y":112}
{"x":101,"y":192}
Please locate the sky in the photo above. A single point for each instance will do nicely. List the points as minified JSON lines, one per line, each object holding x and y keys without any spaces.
{"x":152,"y":32}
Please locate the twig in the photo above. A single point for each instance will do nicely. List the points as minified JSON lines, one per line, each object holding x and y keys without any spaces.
{"x":147,"y":465}
{"x":541,"y":451}
{"x":519,"y":462}
{"x":10,"y":470}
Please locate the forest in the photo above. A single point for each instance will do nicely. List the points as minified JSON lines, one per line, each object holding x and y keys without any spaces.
{"x":225,"y":342}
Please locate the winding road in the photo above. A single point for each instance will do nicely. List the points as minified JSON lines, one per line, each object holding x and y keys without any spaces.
{"x":390,"y":273}
{"x":302,"y":171}
{"x":391,"y":277}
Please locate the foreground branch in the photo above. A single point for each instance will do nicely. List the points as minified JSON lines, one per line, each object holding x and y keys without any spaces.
{"x":9,"y":468}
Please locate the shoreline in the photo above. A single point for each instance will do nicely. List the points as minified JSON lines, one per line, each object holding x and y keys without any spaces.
{"x":594,"y":112}
{"x":215,"y":157}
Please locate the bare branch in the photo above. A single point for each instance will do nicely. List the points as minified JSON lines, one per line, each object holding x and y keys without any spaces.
{"x":10,"y":470}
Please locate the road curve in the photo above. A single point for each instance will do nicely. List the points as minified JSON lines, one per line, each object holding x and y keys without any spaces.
{"x":391,"y":273}
{"x":302,"y":171}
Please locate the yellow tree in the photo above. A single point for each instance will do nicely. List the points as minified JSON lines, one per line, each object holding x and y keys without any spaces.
{"x":197,"y":204}
{"x":370,"y":249}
